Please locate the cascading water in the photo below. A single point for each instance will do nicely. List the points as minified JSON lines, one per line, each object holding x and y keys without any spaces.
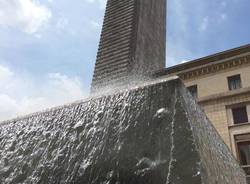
{"x":154,"y":134}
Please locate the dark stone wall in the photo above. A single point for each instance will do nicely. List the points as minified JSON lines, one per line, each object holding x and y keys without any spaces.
{"x":153,"y":134}
{"x":115,"y":47}
{"x":151,"y":37}
{"x":132,"y":42}
{"x":215,"y":156}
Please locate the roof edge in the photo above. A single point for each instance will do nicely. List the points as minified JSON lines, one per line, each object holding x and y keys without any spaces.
{"x":204,"y":60}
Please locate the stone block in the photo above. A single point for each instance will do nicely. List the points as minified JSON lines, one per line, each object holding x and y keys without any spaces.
{"x":151,"y":134}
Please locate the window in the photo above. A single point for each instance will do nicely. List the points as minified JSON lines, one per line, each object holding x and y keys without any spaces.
{"x":240,"y":115}
{"x":234,"y":82}
{"x":193,"y":90}
{"x":243,"y":150}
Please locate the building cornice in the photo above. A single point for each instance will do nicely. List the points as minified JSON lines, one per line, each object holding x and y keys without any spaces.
{"x":224,"y":95}
{"x":215,"y":67}
{"x":210,"y":64}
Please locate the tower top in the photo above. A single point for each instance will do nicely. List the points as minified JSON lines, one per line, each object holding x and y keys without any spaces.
{"x":132,"y":44}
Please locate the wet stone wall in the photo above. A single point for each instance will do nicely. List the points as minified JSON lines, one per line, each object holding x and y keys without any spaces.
{"x":132,"y":43}
{"x":153,"y":134}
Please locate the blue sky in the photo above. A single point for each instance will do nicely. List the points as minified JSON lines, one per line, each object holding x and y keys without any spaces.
{"x":48,"y":47}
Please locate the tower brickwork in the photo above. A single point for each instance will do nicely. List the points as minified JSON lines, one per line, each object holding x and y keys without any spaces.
{"x":132,"y":42}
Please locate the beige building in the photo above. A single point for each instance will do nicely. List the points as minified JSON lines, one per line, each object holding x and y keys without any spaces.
{"x":221,"y":83}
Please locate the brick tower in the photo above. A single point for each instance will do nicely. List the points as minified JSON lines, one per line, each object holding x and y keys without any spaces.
{"x":132,"y":42}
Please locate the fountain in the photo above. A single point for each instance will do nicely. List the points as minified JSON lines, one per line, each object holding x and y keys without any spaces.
{"x":152,"y":133}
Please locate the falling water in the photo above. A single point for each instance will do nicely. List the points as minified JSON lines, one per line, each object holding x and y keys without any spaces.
{"x":153,"y":134}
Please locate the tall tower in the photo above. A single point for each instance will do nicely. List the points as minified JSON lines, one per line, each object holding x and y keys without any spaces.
{"x":133,"y":42}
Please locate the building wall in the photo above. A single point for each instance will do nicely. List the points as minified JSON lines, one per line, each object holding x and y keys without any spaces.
{"x":238,"y":129}
{"x":220,"y":114}
{"x":217,"y":82}
{"x":219,"y":101}
{"x":216,"y":112}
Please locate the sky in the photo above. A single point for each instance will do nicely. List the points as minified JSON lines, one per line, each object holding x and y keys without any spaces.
{"x":48,"y":47}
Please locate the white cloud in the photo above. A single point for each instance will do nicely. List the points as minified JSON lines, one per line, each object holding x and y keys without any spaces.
{"x":5,"y":74}
{"x":25,"y":95}
{"x":26,"y":15}
{"x":204,"y":24}
{"x":223,"y":16}
{"x":208,"y":22}
{"x":101,"y":3}
{"x":95,"y":24}
{"x":64,"y":87}
{"x":223,"y":4}
{"x":62,"y":23}
{"x":8,"y":106}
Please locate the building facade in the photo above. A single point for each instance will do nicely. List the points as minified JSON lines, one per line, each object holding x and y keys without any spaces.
{"x":221,"y":84}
